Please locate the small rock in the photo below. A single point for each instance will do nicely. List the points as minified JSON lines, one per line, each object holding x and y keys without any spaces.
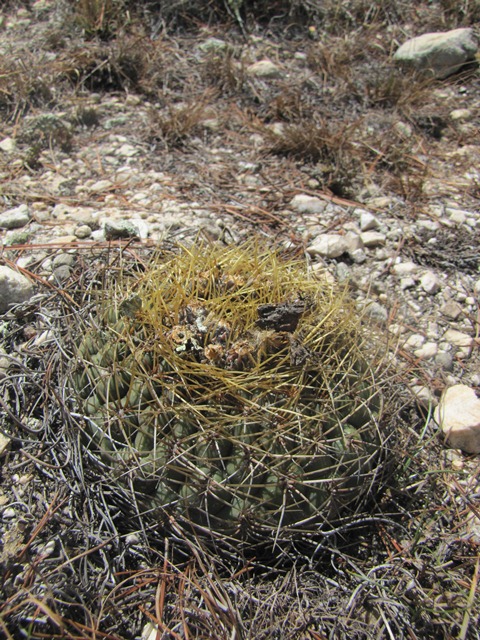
{"x":404,"y":268}
{"x":444,"y":360}
{"x":433,"y":331}
{"x":61,"y":274}
{"x":14,"y":288}
{"x":213,"y":45}
{"x":63,"y":259}
{"x":451,"y":309}
{"x":396,"y":329}
{"x":212,"y":124}
{"x":4,"y":363}
{"x":472,"y":529}
{"x":458,"y":415}
{"x":456,"y":216}
{"x":277,"y":128}
{"x":415,"y":341}
{"x":343,"y":272}
{"x":128,"y":151}
{"x":407,"y":283}
{"x":424,"y":396}
{"x":438,"y":54}
{"x":454,"y":458}
{"x":376,"y":312}
{"x":83,"y":231}
{"x":354,"y":242}
{"x":8,"y":145}
{"x":460,"y":114}
{"x":100,"y":185}
{"x":15,"y":218}
{"x":4,"y":443}
{"x":475,"y":379}
{"x":308,"y":204}
{"x":381,"y":202}
{"x":368,"y":221}
{"x":46,"y":549}
{"x":149,"y":632}
{"x":16,"y":237}
{"x":430,"y":283}
{"x":427,"y":351}
{"x":358,"y":256}
{"x":264,"y":69}
{"x":458,"y":338}
{"x":116,"y":229}
{"x":404,"y":129}
{"x":328,"y":245}
{"x":373,"y":239}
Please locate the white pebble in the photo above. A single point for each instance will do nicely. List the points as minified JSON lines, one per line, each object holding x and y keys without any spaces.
{"x":404,"y":268}
{"x":427,"y":351}
{"x":430,"y":283}
{"x":415,"y":341}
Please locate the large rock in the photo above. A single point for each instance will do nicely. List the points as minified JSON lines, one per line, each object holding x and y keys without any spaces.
{"x":439,"y":54}
{"x":14,"y":288}
{"x":458,"y":415}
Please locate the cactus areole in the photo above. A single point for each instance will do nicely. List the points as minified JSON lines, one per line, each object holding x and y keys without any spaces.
{"x":236,"y":392}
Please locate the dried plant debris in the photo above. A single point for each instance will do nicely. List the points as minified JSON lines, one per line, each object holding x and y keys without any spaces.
{"x":449,"y":249}
{"x":46,"y":130}
{"x":338,"y":159}
{"x":117,"y":67}
{"x":173,"y":126}
{"x":25,"y":83}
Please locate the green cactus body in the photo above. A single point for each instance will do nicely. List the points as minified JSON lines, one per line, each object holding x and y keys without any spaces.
{"x":237,"y":384}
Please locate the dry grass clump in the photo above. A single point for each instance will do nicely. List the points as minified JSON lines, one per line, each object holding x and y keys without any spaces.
{"x":45,"y":131}
{"x":461,"y":13}
{"x":176,"y":123}
{"x":289,"y":102}
{"x":331,"y":147}
{"x":338,"y":17}
{"x":101,"y":18}
{"x":393,"y":152}
{"x":130,"y":63}
{"x":334,"y":57}
{"x":105,"y":67}
{"x":389,"y":88}
{"x":225,"y":70}
{"x":25,"y":83}
{"x":41,"y":132}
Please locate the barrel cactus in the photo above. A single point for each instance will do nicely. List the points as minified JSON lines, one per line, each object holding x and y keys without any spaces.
{"x":235,"y":392}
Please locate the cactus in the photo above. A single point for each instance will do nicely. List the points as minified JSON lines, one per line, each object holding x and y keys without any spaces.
{"x":237,"y":391}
